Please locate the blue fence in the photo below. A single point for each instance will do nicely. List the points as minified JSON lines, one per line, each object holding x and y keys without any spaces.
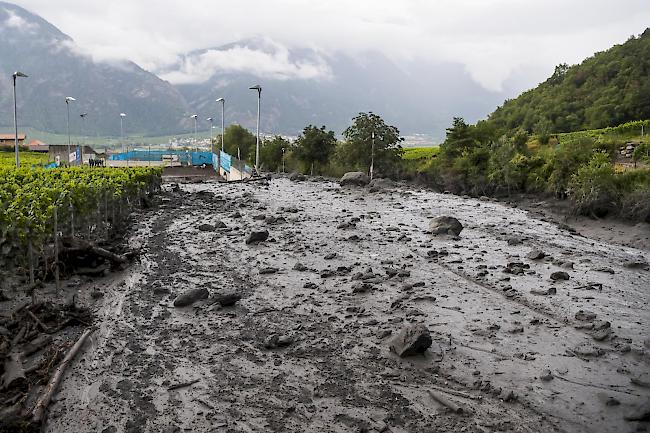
{"x":182,"y":156}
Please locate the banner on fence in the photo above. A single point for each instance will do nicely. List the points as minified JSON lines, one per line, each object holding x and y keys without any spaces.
{"x":226,"y":161}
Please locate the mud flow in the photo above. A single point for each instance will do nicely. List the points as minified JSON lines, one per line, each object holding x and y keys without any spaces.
{"x":530,"y":328}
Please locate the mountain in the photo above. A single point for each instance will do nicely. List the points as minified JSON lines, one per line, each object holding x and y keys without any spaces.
{"x":301,"y":86}
{"x":607,"y":89}
{"x":57,"y":69}
{"x":305,"y":86}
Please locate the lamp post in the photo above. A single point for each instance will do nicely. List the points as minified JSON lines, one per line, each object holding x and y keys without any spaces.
{"x":223,"y":132}
{"x":16,"y":75}
{"x":372,"y":155}
{"x":122,"y":116}
{"x":257,"y":148}
{"x":68,"y":100}
{"x":211,"y":120}
{"x":83,"y":131}
{"x":283,"y":149}
{"x":196,"y":138}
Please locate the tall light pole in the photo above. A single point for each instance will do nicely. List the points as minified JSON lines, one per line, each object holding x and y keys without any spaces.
{"x":211,"y":120}
{"x":83,"y":131}
{"x":372,"y":155}
{"x":122,"y":116}
{"x":223,"y":132}
{"x":68,"y":100}
{"x":196,"y":138}
{"x":283,"y":149}
{"x":16,"y":75}
{"x":257,"y":148}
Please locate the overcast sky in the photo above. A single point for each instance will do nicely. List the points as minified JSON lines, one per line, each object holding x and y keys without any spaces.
{"x":493,"y":39}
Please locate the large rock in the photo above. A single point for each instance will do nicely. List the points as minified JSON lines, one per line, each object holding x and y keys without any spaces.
{"x":444,"y":225}
{"x":296,"y":177}
{"x":257,"y":237}
{"x":355,"y":178}
{"x":412,"y":340}
{"x":190,"y":297}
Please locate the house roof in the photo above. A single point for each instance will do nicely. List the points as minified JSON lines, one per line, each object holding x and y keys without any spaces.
{"x":12,"y":137}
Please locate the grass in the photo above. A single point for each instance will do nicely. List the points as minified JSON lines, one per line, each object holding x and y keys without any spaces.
{"x":417,"y":153}
{"x":8,"y":159}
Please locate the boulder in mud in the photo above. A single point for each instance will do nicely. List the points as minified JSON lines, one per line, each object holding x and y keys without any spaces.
{"x":443,"y":225}
{"x":257,"y":236}
{"x":228,"y":299}
{"x":190,"y":297}
{"x":207,"y":228}
{"x":296,"y":177}
{"x":377,"y":185}
{"x":355,"y":178}
{"x":412,"y":340}
{"x":560,"y":276}
{"x":535,"y":255}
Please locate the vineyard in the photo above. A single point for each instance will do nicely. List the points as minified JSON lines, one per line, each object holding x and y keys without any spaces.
{"x":39,"y":206}
{"x":27,"y":159}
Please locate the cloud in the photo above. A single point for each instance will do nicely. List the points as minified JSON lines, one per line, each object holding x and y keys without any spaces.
{"x":492,"y":38}
{"x":275,"y":65}
{"x":16,"y":22}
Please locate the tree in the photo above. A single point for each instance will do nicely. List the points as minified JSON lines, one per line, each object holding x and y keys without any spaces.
{"x":271,"y":152}
{"x":388,"y":149}
{"x":236,"y":136}
{"x":459,"y":139}
{"x":314,"y":146}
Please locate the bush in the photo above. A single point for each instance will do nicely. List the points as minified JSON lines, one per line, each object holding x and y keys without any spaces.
{"x":593,"y":188}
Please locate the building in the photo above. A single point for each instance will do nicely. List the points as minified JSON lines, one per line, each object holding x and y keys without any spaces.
{"x":38,"y":146}
{"x":9,"y":140}
{"x":59,"y":153}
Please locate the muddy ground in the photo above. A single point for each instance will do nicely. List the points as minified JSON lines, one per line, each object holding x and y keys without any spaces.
{"x":515,"y":360}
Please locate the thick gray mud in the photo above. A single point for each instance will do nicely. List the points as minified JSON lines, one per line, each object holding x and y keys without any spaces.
{"x":494,"y":340}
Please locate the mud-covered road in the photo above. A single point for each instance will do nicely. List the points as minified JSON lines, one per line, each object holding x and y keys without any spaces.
{"x":516,"y":356}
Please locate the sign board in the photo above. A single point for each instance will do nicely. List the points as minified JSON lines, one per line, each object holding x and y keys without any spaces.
{"x":72,"y":157}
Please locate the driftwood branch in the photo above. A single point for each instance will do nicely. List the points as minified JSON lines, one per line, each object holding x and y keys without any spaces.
{"x":446,"y":402}
{"x":79,"y":245}
{"x":50,"y":389}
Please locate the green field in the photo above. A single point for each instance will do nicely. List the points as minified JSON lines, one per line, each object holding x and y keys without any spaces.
{"x":630,"y":131}
{"x":417,"y":153}
{"x":27,"y":159}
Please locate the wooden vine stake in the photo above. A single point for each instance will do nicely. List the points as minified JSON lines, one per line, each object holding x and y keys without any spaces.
{"x":56,"y":250}
{"x":42,"y":403}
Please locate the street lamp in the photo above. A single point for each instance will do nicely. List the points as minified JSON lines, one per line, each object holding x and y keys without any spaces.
{"x":211,"y":120}
{"x":16,"y":75}
{"x":68,"y":100}
{"x":122,"y":116}
{"x":257,"y":148}
{"x":83,"y":131}
{"x":283,"y":149}
{"x":223,"y":132}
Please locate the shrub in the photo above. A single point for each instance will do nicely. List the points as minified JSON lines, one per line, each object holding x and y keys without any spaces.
{"x":593,"y":188}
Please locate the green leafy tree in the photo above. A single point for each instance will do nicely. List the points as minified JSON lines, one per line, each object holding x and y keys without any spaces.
{"x":271,"y":152}
{"x":593,"y":188}
{"x":314,"y":148}
{"x":236,"y":136}
{"x":460,"y":139}
{"x":387,"y":147}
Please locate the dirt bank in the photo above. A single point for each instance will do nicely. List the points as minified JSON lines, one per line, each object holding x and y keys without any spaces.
{"x":515,"y":355}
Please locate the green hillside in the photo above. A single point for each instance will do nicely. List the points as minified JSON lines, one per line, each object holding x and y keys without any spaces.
{"x":609,"y":88}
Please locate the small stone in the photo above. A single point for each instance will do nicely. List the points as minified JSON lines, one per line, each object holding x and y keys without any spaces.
{"x":257,"y":236}
{"x":560,"y":276}
{"x":330,"y":256}
{"x":268,"y":271}
{"x":444,"y":225}
{"x":412,"y":340}
{"x":535,"y":255}
{"x":300,"y":267}
{"x":190,"y":297}
{"x":585,"y":316}
{"x":228,"y":300}
{"x":546,"y":376}
{"x":207,"y":228}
